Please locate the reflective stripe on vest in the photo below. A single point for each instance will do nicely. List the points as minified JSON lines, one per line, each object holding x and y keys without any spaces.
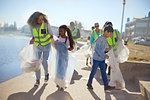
{"x":39,"y":38}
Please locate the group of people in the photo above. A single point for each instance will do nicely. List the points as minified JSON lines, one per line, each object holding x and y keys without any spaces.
{"x":42,"y":36}
{"x":101,"y":42}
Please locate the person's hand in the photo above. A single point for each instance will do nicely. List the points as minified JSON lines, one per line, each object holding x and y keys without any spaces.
{"x":106,"y":56}
{"x":51,"y":36}
{"x":32,"y":41}
{"x":70,"y":49}
{"x":109,"y":48}
{"x":91,"y":46}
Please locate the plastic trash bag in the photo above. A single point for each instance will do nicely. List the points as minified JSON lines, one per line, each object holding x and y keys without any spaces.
{"x":62,"y":64}
{"x":122,"y":52}
{"x":116,"y":78}
{"x":88,"y":52}
{"x":29,"y":61}
{"x":61,"y":60}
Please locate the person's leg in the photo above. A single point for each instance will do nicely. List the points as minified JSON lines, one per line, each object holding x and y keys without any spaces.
{"x":109,"y":70}
{"x":104,"y":76}
{"x":93,"y":71}
{"x":106,"y":66}
{"x":103,"y":72}
{"x":38,"y":73}
{"x":87,"y":61}
{"x":92,"y":56}
{"x":90,"y":59}
{"x":45,"y":64}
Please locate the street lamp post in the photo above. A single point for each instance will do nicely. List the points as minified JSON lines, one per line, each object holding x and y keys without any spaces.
{"x":124,"y":2}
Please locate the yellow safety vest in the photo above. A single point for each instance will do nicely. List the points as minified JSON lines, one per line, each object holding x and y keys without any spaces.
{"x":113,"y":40}
{"x":74,"y":33}
{"x":95,"y":35}
{"x":41,"y":38}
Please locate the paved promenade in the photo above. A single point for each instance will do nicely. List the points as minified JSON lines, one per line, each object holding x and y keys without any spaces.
{"x":22,"y":87}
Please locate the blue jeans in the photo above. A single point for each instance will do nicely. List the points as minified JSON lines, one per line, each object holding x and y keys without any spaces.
{"x":44,"y":63}
{"x":101,"y":64}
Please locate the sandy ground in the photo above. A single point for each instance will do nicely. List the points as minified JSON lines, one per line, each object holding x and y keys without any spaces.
{"x":22,"y":87}
{"x":139,"y":52}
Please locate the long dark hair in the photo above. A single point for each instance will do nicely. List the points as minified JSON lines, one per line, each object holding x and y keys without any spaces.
{"x":69,"y":35}
{"x":32,"y":21}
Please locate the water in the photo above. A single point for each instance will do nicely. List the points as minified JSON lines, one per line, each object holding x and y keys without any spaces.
{"x":10,"y":46}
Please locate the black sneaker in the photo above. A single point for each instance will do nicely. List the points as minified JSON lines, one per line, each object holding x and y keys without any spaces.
{"x":89,"y":86}
{"x":37,"y":83}
{"x":109,"y":88}
{"x":46,"y":78}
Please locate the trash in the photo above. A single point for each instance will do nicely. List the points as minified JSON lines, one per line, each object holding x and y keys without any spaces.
{"x":62,"y":64}
{"x":29,"y":59}
{"x":115,"y":57}
{"x":122,"y":52}
{"x":88,"y":52}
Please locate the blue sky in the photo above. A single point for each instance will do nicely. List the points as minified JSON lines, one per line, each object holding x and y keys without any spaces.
{"x":63,"y":11}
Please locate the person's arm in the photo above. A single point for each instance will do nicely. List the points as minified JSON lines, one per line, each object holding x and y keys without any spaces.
{"x":50,"y":30}
{"x":92,"y":39}
{"x":108,"y":47}
{"x":32,"y":40}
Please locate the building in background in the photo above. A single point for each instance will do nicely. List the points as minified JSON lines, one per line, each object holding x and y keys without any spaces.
{"x":138,"y":27}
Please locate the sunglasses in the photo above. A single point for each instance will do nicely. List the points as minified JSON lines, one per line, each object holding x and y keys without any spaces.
{"x":96,"y":26}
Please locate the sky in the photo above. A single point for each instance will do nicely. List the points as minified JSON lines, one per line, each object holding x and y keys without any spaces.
{"x":61,"y":12}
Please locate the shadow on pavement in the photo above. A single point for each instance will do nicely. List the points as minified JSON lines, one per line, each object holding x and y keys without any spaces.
{"x":75,"y":76}
{"x":122,"y":95}
{"x":94,"y":95}
{"x":28,"y":95}
{"x":131,"y":86}
{"x":87,"y":68}
{"x":59,"y":95}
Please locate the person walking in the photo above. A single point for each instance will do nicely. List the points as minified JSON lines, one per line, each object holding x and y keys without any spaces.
{"x":41,"y":37}
{"x":99,"y":57}
{"x":75,"y":32}
{"x":96,"y":32}
{"x":65,"y":43}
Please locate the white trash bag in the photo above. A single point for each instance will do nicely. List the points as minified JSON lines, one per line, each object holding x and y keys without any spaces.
{"x":62,"y":64}
{"x":29,"y":59}
{"x":88,"y":52}
{"x":116,"y":79}
{"x":122,"y":52}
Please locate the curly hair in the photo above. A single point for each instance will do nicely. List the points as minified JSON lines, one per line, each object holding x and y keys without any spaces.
{"x":32,"y":21}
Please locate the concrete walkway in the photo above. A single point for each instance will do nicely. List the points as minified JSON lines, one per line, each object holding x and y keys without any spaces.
{"x":22,"y":87}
